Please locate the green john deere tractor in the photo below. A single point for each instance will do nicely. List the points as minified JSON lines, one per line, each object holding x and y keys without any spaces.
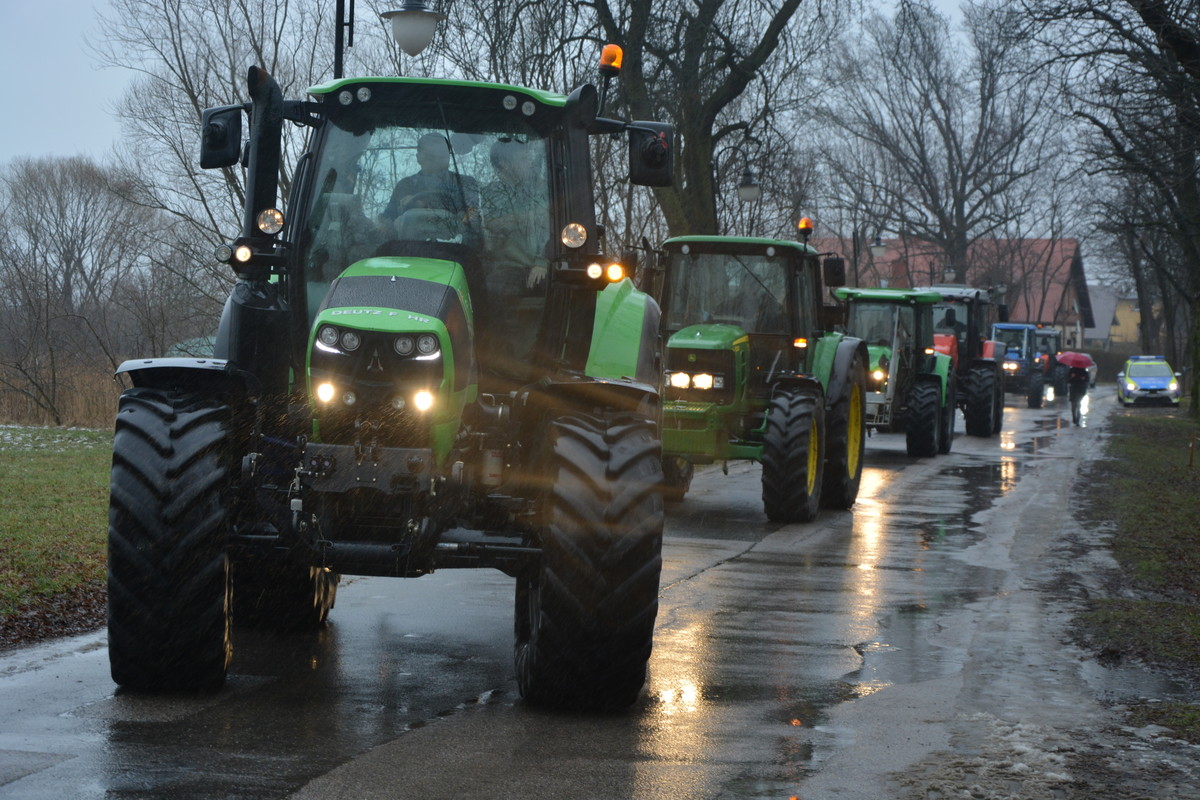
{"x":910,"y":386}
{"x":750,"y":375}
{"x":409,"y":375}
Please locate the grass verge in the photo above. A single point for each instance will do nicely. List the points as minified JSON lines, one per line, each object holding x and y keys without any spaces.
{"x":53,"y":520}
{"x":1150,"y":496}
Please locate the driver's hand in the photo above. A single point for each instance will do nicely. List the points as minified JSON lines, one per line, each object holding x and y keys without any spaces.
{"x":536,"y":276}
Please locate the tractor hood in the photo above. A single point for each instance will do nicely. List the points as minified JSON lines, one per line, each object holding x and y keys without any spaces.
{"x":718,"y":336}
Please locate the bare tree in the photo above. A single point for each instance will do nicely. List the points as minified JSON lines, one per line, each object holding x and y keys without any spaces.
{"x":947,"y":138}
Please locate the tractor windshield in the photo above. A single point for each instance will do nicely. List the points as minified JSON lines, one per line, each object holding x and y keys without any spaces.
{"x":450,"y":183}
{"x":748,"y":290}
{"x":1013,"y":339}
{"x":875,"y":323}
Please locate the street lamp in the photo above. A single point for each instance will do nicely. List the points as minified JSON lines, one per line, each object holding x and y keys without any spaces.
{"x":749,"y":189}
{"x":413,"y":25}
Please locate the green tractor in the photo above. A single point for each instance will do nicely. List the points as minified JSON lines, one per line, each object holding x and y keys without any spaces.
{"x":911,"y":385}
{"x":409,"y":375}
{"x":750,"y":374}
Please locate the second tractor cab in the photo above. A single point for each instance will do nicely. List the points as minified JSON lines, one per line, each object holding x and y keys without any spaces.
{"x":1029,"y":360}
{"x":910,"y":385}
{"x":427,"y":363}
{"x":750,"y":375}
{"x":961,"y":323}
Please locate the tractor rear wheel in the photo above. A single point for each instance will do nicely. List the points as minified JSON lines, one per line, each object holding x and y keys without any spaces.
{"x":585,"y":616}
{"x":845,"y":439}
{"x":949,"y":418}
{"x":793,"y":455}
{"x":281,"y":596}
{"x":677,"y":478}
{"x":980,"y":411}
{"x":1037,"y":390}
{"x":924,"y":419}
{"x":168,"y":572}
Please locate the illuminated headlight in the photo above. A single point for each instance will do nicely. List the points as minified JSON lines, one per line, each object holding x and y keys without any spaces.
{"x":614,"y":273}
{"x":1131,"y":387}
{"x":1173,"y":386}
{"x":404,"y":345}
{"x":351,"y":340}
{"x":243,"y":253}
{"x":325,"y":392}
{"x":879,"y":375}
{"x":427,"y":344}
{"x":680,"y":380}
{"x":423,"y":400}
{"x":594,"y":271}
{"x":574,"y":235}
{"x":1011,"y":366}
{"x":270,"y":221}
{"x":328,"y":336}
{"x":702,"y":381}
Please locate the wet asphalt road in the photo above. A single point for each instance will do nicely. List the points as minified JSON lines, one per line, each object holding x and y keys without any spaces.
{"x":765,"y":634}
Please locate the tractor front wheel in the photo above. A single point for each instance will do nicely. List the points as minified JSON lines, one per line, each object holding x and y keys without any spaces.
{"x":281,"y":596}
{"x":980,"y":412}
{"x":924,"y":419}
{"x":677,"y":478}
{"x":949,"y":418}
{"x":585,"y":617}
{"x":1037,"y":390}
{"x":845,"y":439}
{"x":168,"y":572}
{"x":793,"y":455}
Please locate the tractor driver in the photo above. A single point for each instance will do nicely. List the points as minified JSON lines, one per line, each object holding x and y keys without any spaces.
{"x":950,"y":323}
{"x":515,"y":221}
{"x":436,"y":187}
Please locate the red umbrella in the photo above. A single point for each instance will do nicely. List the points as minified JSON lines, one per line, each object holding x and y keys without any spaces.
{"x":1071,"y":359}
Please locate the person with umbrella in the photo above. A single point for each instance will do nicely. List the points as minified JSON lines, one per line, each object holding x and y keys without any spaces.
{"x":1077,"y":380}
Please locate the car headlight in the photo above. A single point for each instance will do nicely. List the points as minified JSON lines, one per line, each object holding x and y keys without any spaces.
{"x":1131,"y":387}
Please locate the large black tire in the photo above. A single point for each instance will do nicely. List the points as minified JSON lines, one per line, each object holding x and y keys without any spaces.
{"x":677,"y":478}
{"x":281,"y":596}
{"x":1037,"y":389}
{"x":980,"y":411}
{"x":585,"y":618}
{"x":845,"y":440}
{"x":168,"y":572}
{"x":949,"y":419}
{"x":923,"y":428}
{"x":793,"y":456}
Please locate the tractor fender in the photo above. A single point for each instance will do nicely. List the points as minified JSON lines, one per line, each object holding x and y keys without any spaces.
{"x":625,"y":344}
{"x":590,"y":395}
{"x":848,"y":348}
{"x":807,"y":382}
{"x":943,"y":366}
{"x":206,"y":375}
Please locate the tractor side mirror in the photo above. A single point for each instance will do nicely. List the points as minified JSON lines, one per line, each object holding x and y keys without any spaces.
{"x":834,"y":271}
{"x":651,"y":153}
{"x":582,"y":106}
{"x":1002,"y":310}
{"x":220,"y":137}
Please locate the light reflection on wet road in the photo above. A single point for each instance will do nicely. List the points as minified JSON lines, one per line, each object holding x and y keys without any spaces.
{"x":409,"y":693}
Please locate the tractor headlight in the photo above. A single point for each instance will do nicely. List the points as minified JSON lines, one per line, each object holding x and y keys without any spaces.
{"x":325,"y":392}
{"x":878,"y":375}
{"x":404,"y":345}
{"x":702,"y":381}
{"x":427,"y":344}
{"x":423,"y":400}
{"x":328,"y":336}
{"x":351,"y":340}
{"x":614,"y":272}
{"x":679,"y":380}
{"x":574,"y":235}
{"x":270,"y":221}
{"x":1011,"y":366}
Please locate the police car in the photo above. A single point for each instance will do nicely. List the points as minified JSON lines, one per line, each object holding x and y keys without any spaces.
{"x":1148,"y":379}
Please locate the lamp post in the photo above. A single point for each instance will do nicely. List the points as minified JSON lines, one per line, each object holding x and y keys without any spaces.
{"x":413,"y":25}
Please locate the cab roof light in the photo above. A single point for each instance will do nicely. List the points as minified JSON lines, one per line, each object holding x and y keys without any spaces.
{"x":610,"y":59}
{"x":805,"y":226}
{"x":800,"y":343}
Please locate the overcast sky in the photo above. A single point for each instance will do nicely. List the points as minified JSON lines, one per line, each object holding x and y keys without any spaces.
{"x":65,"y":101}
{"x":65,"y":106}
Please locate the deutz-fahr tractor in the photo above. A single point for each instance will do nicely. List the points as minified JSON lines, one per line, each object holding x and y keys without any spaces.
{"x":409,"y":375}
{"x":750,"y":374}
{"x":910,"y":385}
{"x":1029,"y":360}
{"x":961,"y":322}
